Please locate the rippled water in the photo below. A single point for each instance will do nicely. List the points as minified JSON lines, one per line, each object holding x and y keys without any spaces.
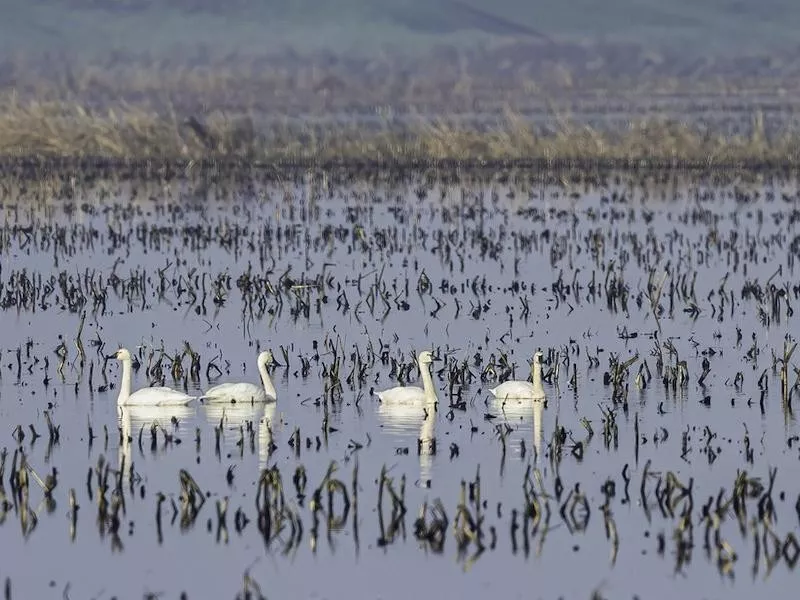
{"x":380,"y":273}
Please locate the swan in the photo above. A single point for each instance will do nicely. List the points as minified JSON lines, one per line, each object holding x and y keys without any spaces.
{"x":245,"y":392}
{"x":523,"y":389}
{"x":413,"y":394}
{"x":149,"y":396}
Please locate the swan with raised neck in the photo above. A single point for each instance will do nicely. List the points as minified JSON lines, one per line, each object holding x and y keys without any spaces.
{"x":245,"y":392}
{"x":523,"y":389}
{"x":411,"y":394}
{"x":148,"y":396}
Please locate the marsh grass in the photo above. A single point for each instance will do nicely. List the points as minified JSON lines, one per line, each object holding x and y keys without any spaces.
{"x":126,"y":132}
{"x":304,"y":111}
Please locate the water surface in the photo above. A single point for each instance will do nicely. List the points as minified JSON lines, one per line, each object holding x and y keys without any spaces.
{"x":480,"y":275}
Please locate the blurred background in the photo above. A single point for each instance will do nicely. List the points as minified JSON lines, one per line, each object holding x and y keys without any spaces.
{"x":728,"y":66}
{"x":689,"y":29}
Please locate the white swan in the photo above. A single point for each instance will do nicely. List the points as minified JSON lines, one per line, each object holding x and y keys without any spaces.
{"x":245,"y":392}
{"x":149,"y":396}
{"x":413,"y":394}
{"x":523,"y":389}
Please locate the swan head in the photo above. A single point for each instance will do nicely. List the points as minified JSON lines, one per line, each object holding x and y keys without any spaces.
{"x":537,"y":357}
{"x":265,"y":358}
{"x":122,"y":354}
{"x":425,"y":358}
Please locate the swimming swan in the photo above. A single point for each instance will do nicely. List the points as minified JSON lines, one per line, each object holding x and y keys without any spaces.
{"x":523,"y":389}
{"x":245,"y":392}
{"x":149,"y":396}
{"x":413,"y":394}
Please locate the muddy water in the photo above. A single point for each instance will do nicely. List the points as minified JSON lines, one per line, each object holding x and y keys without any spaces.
{"x":380,"y":273}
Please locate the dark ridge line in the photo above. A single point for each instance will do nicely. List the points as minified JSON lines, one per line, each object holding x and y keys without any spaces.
{"x":461,"y":16}
{"x":477,"y":15}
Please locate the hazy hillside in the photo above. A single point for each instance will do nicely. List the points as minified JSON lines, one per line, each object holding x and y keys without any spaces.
{"x":92,"y":27}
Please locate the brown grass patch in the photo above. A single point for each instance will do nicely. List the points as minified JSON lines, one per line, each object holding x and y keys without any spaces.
{"x":307,"y":111}
{"x":62,"y":130}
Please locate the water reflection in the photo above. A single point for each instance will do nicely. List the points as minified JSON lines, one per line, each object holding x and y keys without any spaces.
{"x":139,"y":420}
{"x":418,"y":420}
{"x":236,"y":418}
{"x":521,"y":412}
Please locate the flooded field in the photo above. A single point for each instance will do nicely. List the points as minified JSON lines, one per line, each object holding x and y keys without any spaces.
{"x":661,"y":463}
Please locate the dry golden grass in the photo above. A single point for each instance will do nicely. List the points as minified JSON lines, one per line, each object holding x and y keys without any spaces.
{"x":62,"y":130}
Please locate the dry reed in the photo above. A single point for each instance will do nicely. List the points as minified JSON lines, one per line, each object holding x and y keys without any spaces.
{"x":62,"y":130}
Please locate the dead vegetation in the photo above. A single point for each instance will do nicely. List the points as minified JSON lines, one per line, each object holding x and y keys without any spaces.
{"x":62,"y":130}
{"x":323,"y":110}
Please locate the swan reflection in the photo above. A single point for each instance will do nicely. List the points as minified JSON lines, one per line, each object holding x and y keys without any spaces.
{"x":521,"y":413}
{"x":405,"y":420}
{"x":235,"y":416}
{"x":139,"y":419}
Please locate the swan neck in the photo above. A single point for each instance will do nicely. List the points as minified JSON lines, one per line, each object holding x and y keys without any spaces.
{"x":125,"y":384}
{"x":427,"y":383}
{"x":538,"y":388}
{"x":269,"y":389}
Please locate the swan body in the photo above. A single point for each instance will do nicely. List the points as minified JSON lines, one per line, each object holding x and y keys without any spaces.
{"x":413,"y":395}
{"x":523,"y":389}
{"x":149,"y":396}
{"x":514,"y":390}
{"x":245,"y":392}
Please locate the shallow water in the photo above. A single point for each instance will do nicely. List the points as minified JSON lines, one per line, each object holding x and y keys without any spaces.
{"x":383,"y":274}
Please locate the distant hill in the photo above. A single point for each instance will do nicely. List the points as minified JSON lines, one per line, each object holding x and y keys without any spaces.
{"x":363,"y":26}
